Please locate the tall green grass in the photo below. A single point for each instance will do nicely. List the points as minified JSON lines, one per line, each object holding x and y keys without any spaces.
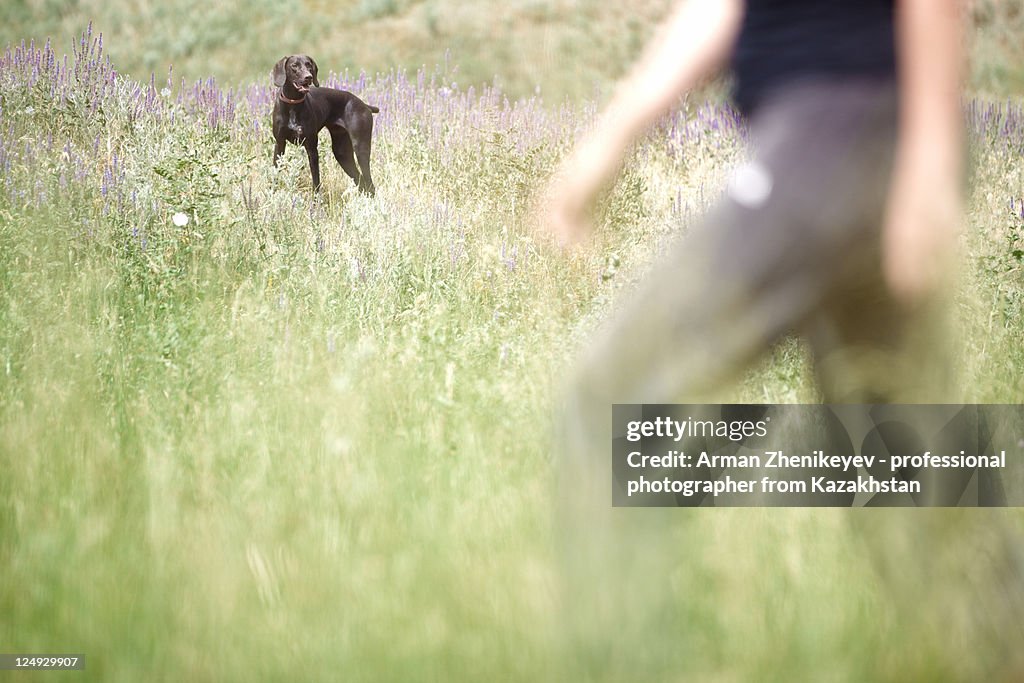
{"x":308,"y":438}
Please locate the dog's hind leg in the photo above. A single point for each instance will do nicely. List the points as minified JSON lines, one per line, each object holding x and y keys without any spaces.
{"x":341,"y":145}
{"x":362,"y":148}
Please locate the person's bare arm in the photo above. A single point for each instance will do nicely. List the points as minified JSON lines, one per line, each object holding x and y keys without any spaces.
{"x":925,"y":195}
{"x":694,"y":43}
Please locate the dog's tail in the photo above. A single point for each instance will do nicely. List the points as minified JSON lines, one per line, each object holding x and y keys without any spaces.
{"x":375,"y":110}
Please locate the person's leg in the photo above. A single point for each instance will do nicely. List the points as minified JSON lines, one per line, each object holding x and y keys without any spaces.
{"x":954,"y":576}
{"x":758,"y":266}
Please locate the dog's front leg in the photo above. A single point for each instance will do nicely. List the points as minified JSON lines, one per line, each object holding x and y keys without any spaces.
{"x":279,"y":150}
{"x":314,"y":163}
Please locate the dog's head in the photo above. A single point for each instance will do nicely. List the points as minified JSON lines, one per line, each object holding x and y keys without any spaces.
{"x":299,"y":70}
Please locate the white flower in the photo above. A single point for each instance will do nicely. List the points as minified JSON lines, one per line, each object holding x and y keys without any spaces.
{"x":180,"y":219}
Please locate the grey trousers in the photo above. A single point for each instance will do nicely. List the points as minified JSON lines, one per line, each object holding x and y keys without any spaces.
{"x":793,"y":246}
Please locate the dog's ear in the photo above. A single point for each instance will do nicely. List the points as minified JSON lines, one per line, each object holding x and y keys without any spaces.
{"x":278,"y":72}
{"x":313,"y":68}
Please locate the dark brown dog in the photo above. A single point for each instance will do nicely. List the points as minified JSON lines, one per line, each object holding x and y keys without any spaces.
{"x":303,"y":108}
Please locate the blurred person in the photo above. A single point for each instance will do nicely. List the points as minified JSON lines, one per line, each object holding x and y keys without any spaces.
{"x":842,"y":227}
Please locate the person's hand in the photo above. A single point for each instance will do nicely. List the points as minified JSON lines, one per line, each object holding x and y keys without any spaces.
{"x":920,"y":231}
{"x":567,"y":219}
{"x":923,"y":215}
{"x":575,"y":189}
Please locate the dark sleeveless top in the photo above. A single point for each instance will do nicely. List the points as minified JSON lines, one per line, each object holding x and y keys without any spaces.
{"x":782,"y":41}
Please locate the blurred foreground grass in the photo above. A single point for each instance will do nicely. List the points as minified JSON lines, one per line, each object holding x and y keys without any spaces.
{"x":310,"y":440}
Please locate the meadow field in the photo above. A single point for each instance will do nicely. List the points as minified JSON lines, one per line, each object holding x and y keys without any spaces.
{"x":305,"y":438}
{"x":565,"y":48}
